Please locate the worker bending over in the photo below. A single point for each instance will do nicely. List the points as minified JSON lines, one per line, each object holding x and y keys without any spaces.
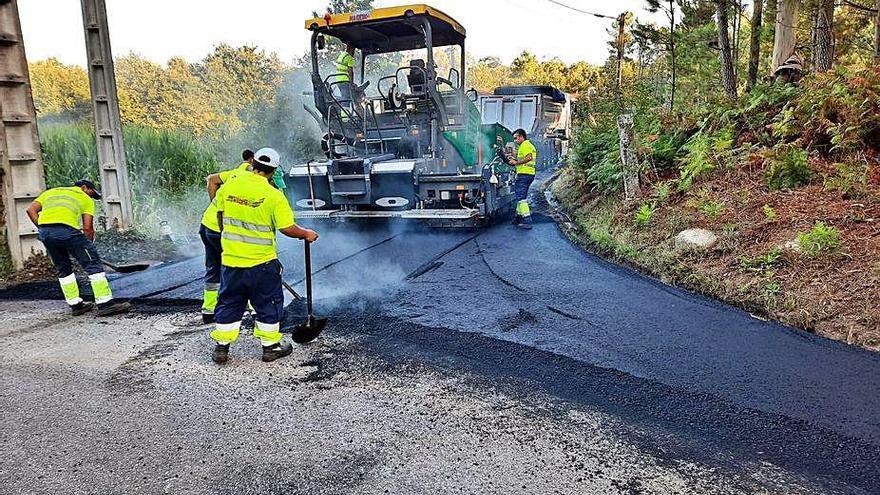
{"x":526,"y":158}
{"x":65,"y":219}
{"x":249,"y":213}
{"x":209,"y":233}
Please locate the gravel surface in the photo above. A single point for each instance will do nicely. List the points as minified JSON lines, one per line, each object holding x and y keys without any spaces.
{"x":134,"y":405}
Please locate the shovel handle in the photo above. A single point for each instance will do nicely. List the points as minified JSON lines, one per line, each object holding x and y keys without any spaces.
{"x":290,"y":289}
{"x":308,"y":256}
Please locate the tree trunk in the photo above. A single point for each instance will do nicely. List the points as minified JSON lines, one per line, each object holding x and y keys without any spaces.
{"x":737,"y":31}
{"x":823,"y":36}
{"x":877,"y":34}
{"x":786,"y":32}
{"x":769,"y":20}
{"x":672,"y":51}
{"x":728,"y":78}
{"x":755,"y":45}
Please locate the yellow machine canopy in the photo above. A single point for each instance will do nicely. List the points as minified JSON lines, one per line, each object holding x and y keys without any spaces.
{"x":390,"y":29}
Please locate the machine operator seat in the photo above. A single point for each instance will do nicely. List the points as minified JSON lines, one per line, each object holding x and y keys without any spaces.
{"x":416,"y":78}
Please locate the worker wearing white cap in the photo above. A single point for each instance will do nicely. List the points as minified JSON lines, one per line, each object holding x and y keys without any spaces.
{"x":250,"y":211}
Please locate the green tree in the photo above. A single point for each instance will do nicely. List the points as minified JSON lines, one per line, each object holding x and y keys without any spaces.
{"x":60,"y":90}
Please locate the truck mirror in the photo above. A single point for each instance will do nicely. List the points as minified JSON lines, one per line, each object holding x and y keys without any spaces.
{"x":320,"y":42}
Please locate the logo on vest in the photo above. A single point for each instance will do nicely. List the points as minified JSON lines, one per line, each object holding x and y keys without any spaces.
{"x":246,"y":202}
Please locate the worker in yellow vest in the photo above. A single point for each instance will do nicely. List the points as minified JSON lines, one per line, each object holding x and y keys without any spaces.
{"x":525,"y":166}
{"x":209,"y":233}
{"x":249,"y":212}
{"x":345,"y":73}
{"x":65,"y":218}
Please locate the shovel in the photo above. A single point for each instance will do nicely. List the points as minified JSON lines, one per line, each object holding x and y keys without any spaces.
{"x":309,"y":330}
{"x":129,"y":268}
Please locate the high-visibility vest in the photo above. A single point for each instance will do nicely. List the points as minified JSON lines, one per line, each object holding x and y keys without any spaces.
{"x":65,"y":205}
{"x":524,"y":150}
{"x":252,"y":211}
{"x":209,"y":218}
{"x":343,"y":62}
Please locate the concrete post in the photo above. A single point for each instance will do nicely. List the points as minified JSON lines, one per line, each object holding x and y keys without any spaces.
{"x":20,"y":158}
{"x":628,"y":157}
{"x":108,"y":125}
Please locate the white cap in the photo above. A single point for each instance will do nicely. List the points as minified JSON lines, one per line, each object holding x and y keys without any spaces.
{"x":268,"y":157}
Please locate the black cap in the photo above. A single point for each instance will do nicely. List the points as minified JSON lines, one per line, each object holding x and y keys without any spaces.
{"x":90,"y":185}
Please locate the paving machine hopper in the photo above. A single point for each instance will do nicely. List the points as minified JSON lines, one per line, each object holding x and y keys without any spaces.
{"x":408,"y":143}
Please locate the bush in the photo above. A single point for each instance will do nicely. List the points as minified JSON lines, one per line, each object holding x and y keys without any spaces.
{"x":643,"y":216}
{"x":662,"y":191}
{"x":788,"y":168}
{"x":761,"y":263}
{"x":851,"y":180}
{"x":712,"y":208}
{"x":838,"y":110}
{"x":664,"y":151}
{"x":702,"y":155}
{"x":821,"y":239}
{"x":596,"y":153}
{"x":769,"y":213}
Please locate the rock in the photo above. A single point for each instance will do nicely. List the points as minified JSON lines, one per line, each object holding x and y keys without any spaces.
{"x":695,"y":240}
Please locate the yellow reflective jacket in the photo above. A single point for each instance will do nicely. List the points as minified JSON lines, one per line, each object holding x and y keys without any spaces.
{"x":524,"y":150}
{"x":65,"y":205}
{"x":252,"y":211}
{"x":209,"y":218}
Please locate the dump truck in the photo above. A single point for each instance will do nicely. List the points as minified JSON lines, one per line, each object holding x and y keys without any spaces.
{"x":544,"y":112}
{"x":407,"y":144}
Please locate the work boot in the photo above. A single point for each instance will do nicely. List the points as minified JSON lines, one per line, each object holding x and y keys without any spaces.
{"x":113,"y":308}
{"x":208,"y":318}
{"x":221,"y":353}
{"x":81,"y":308}
{"x":276,"y":351}
{"x":524,"y":226}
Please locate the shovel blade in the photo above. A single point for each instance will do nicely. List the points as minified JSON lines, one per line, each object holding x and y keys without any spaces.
{"x":308,"y":331}
{"x":133,"y":267}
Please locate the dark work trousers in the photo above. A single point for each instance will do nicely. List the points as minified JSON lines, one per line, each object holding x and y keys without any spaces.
{"x":521,"y":193}
{"x":211,"y":240}
{"x":261,"y":285}
{"x":64,"y":241}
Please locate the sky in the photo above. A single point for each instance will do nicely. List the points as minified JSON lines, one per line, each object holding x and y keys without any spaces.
{"x":161,"y":29}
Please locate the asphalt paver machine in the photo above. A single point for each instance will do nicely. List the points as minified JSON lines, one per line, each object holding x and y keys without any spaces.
{"x":408,"y":143}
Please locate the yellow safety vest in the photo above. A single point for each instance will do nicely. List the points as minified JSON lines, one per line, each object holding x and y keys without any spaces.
{"x":65,"y":205}
{"x":524,"y":150}
{"x":343,"y":62}
{"x":252,"y":211}
{"x":209,"y":218}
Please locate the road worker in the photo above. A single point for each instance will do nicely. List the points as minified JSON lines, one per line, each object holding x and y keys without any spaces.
{"x":250,"y":211}
{"x":65,"y":219}
{"x":524,"y":163}
{"x":248,"y":157}
{"x":209,"y":233}
{"x":247,"y":160}
{"x":344,"y":73}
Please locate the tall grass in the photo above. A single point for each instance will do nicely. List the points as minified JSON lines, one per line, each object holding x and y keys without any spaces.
{"x":166,"y":169}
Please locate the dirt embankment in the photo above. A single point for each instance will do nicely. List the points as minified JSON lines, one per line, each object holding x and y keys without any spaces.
{"x":835,"y":293}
